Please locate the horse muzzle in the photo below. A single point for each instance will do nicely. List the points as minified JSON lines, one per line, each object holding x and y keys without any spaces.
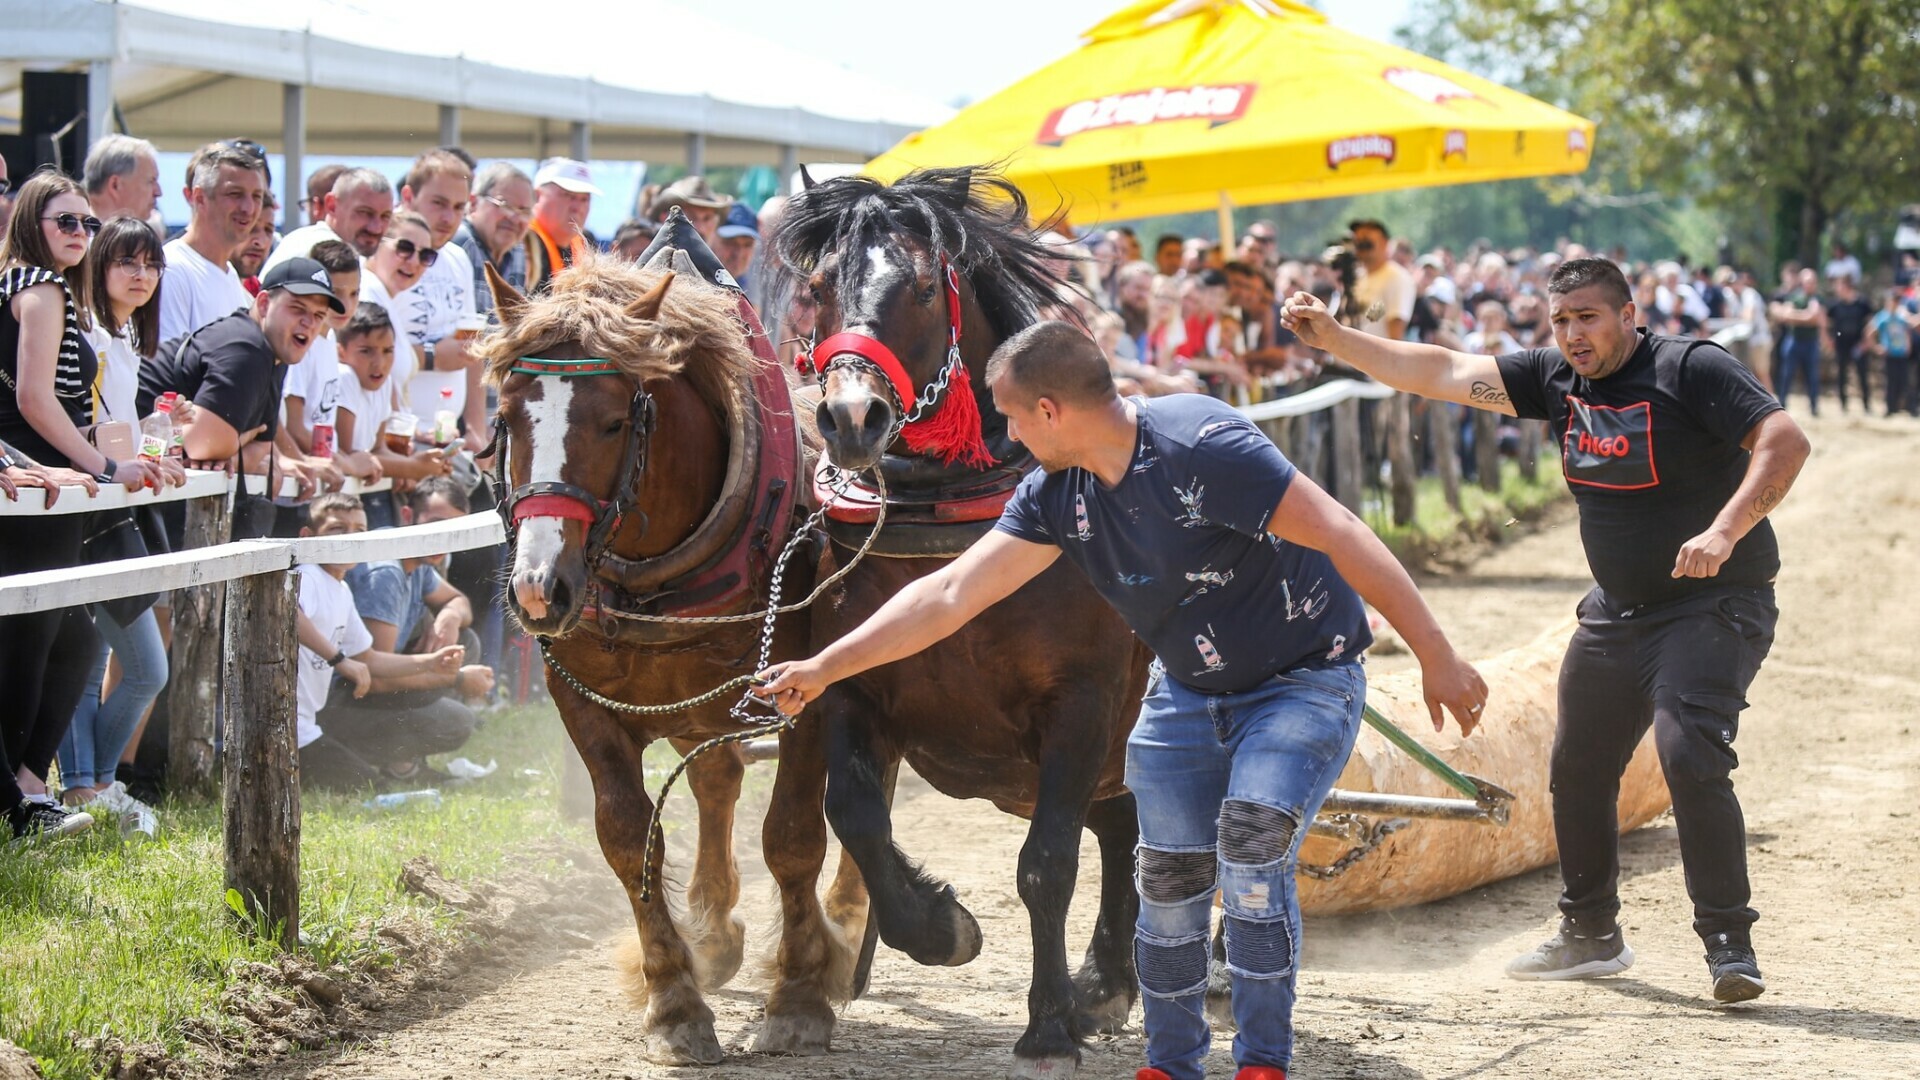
{"x":857,"y":421}
{"x":548,"y":579}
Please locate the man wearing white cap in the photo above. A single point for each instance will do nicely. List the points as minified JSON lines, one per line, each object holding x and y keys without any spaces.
{"x":563,"y":192}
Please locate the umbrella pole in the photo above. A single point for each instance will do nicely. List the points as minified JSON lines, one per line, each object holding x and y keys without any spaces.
{"x":1226,"y":227}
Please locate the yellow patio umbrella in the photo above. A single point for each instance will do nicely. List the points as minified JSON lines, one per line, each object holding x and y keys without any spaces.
{"x":1170,"y":107}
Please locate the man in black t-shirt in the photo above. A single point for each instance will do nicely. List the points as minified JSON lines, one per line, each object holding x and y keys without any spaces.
{"x":1847,"y":316}
{"x":1675,"y":455}
{"x":234,"y":368}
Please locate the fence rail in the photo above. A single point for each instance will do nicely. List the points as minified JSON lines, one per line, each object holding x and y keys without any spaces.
{"x":201,"y":484}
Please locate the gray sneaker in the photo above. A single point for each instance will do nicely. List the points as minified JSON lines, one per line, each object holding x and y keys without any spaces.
{"x":136,"y":817}
{"x":1567,"y":955}
{"x":1735,"y":971}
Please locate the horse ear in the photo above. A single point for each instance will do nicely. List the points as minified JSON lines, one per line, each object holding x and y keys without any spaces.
{"x":647,"y":308}
{"x":662,"y":260}
{"x":683,"y":263}
{"x":807,"y":182}
{"x":508,"y":302}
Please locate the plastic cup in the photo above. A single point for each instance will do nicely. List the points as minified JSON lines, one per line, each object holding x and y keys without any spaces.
{"x":470,"y":327}
{"x":399,"y":432}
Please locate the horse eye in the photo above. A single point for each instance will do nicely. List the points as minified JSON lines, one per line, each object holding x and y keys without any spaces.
{"x":926,"y":295}
{"x":616,"y":427}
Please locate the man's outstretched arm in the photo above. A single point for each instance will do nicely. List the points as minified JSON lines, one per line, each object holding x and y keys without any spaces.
{"x":1427,"y":370}
{"x":919,"y":615}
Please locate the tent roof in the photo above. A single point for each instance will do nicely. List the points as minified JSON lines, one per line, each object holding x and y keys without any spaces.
{"x":189,"y":71}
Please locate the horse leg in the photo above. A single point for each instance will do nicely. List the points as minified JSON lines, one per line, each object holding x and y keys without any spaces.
{"x":1049,"y":864}
{"x":813,"y":962}
{"x":1105,"y":986}
{"x":917,"y":914}
{"x":678,"y":1024}
{"x":848,"y":904}
{"x":716,"y":935}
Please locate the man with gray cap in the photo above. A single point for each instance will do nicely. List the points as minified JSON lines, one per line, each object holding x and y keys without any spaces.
{"x":563,"y":194}
{"x":122,"y":177}
{"x":695,"y":198}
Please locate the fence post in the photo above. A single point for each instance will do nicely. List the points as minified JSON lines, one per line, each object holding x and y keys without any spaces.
{"x":261,"y":794}
{"x":1486,"y":449}
{"x":1443,"y":434}
{"x":1401,"y":470}
{"x":1348,"y":464}
{"x":1532,"y":439}
{"x":194,"y":685}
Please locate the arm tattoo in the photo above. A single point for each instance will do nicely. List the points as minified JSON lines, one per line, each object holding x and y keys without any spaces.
{"x":1486,"y":394}
{"x":1769,"y":498}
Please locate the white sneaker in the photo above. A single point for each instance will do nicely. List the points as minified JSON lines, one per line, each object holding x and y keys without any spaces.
{"x":135,"y":816}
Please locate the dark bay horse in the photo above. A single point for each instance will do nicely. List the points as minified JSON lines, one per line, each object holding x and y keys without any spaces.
{"x":1029,"y":705}
{"x":644,"y":475}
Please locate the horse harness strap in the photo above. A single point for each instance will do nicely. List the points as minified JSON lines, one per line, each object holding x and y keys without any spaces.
{"x":554,"y":498}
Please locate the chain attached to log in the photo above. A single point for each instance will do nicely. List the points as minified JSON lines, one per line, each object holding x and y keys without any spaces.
{"x":1375,"y":837}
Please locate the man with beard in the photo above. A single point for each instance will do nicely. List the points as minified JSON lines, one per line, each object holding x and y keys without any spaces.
{"x":252,"y":255}
{"x":1247,"y":581}
{"x":357,"y":211}
{"x":227,"y":192}
{"x":1675,"y":455}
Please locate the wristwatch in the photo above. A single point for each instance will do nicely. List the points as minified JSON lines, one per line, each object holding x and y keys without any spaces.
{"x":426,"y":353}
{"x":107,"y":476}
{"x":338,"y":656}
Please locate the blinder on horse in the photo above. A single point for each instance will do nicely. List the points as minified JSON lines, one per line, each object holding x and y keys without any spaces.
{"x":557,"y":499}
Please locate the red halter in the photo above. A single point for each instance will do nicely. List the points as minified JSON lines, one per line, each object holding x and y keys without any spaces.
{"x":951,"y":433}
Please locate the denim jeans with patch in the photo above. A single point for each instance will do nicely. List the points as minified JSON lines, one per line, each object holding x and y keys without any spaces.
{"x":1225,"y":784}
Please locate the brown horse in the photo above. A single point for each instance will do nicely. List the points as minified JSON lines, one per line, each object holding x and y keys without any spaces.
{"x":644,"y":476}
{"x":1029,"y":705}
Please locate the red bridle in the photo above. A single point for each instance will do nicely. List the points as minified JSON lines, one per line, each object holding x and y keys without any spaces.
{"x":955,"y":432}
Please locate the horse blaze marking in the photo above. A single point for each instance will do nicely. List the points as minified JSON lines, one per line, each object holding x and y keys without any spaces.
{"x":541,"y":538}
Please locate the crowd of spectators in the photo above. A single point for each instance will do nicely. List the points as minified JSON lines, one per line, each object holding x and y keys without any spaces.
{"x":341,"y":349}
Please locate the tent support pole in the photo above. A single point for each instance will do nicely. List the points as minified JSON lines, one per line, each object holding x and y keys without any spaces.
{"x":696,"y":153}
{"x":293,"y":144}
{"x":789,"y":165}
{"x":579,"y":140}
{"x":1226,"y":227}
{"x":449,"y":125}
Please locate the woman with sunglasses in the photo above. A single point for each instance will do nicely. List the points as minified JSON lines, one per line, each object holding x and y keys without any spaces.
{"x":396,"y":266}
{"x":123,"y":286}
{"x":47,"y":371}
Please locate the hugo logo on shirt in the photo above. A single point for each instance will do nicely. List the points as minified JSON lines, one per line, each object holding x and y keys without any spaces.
{"x":1608,"y":447}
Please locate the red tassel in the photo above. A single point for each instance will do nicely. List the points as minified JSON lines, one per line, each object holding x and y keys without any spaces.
{"x":953,"y":431}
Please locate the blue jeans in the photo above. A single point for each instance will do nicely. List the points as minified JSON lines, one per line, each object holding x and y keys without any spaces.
{"x":1225,"y":785}
{"x":1799,"y":355}
{"x":91,"y":749}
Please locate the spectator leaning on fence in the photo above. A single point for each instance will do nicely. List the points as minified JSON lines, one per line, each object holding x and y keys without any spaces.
{"x":122,"y":177}
{"x":47,"y":370}
{"x":312,"y":389}
{"x":365,"y":386}
{"x":228,"y":191}
{"x":334,"y":640}
{"x":495,"y":230}
{"x":125,"y":267}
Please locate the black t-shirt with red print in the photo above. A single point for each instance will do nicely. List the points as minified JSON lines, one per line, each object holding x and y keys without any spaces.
{"x":1652,"y":453}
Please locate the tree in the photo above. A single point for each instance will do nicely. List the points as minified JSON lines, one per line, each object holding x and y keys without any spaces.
{"x":1801,"y":111}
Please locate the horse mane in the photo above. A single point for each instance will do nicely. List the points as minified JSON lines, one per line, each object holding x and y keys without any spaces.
{"x":974,"y":216}
{"x":697,"y":332}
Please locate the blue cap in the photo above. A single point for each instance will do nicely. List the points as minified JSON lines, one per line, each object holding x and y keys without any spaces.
{"x":740,"y":221}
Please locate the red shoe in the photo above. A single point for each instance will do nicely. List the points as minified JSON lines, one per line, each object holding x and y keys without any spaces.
{"x":1151,"y":1074}
{"x":1260,"y":1072}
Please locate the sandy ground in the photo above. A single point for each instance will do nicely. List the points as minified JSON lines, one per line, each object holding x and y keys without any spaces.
{"x":1831,"y":768}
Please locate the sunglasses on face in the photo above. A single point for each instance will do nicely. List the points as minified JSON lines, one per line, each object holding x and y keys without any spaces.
{"x":74,"y":224}
{"x":407,"y":249}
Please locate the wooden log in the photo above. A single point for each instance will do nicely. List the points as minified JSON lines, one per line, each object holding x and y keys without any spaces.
{"x":1443,"y":435}
{"x":193,"y":686}
{"x":1486,"y":449}
{"x":1401,"y":468}
{"x":1428,"y":860}
{"x":1348,"y":464}
{"x":262,"y":762}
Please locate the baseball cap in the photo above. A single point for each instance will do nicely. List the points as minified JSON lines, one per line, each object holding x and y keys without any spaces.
{"x":569,"y":174}
{"x":303,"y":277}
{"x":740,"y":221}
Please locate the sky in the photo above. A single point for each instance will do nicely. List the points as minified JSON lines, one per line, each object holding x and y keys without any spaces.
{"x":979,"y":46}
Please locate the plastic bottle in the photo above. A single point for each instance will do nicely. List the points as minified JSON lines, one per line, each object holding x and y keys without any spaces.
{"x":157,"y":430}
{"x":393,"y":800}
{"x":446,"y":426}
{"x":177,"y":440}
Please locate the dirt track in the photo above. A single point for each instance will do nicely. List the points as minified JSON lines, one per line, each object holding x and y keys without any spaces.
{"x":1830,"y":778}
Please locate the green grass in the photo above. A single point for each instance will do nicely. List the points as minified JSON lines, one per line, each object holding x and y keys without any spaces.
{"x":1437,"y":527}
{"x":100,"y":937}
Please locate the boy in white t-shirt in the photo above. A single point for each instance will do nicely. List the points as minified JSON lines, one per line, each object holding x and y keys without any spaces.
{"x":311,"y":390}
{"x":364,"y":401}
{"x":334,"y":640}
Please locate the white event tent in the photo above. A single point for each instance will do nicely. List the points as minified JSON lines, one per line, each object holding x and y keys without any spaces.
{"x":636,"y":79}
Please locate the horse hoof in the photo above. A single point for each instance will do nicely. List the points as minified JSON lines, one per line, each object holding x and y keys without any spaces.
{"x":798,"y":1034}
{"x":967,"y":939}
{"x":691,"y":1043}
{"x":717,"y":958}
{"x":1108,"y":1017}
{"x":1044,"y":1068}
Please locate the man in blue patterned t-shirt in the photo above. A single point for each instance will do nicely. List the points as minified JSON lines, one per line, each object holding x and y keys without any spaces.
{"x":1246,"y":580}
